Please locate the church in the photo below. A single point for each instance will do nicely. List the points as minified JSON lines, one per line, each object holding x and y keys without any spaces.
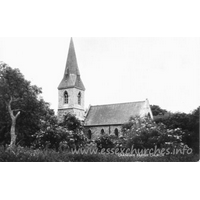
{"x":99,"y":119}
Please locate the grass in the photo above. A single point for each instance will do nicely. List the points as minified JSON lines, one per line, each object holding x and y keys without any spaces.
{"x":29,"y":155}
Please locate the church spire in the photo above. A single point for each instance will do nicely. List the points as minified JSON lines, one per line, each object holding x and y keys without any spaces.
{"x":72,"y":74}
{"x":72,"y":65}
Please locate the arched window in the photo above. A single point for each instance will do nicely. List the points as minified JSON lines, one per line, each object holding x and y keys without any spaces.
{"x":89,"y":134}
{"x":102,"y":131}
{"x":66,"y":98}
{"x":79,"y":98}
{"x":116,"y":132}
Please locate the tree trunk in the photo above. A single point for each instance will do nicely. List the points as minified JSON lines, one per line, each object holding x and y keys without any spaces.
{"x":12,"y":132}
{"x":13,"y":124}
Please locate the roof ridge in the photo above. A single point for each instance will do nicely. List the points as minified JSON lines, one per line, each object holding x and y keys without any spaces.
{"x":114,"y":113}
{"x":117,"y":103}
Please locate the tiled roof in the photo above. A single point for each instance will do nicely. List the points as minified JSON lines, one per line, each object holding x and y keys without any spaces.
{"x":72,"y":75}
{"x":113,"y":114}
{"x":70,"y":81}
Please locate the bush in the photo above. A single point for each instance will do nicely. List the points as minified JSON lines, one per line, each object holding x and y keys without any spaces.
{"x":189,"y":123}
{"x":145,"y":133}
{"x":72,"y":123}
{"x":29,"y":155}
{"x":65,"y":135}
{"x":105,"y":141}
{"x":59,"y":138}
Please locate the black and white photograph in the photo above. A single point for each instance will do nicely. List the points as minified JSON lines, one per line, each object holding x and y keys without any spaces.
{"x":99,"y":99}
{"x":114,"y":99}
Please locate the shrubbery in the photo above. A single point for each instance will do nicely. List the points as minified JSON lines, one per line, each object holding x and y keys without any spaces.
{"x":53,"y":143}
{"x":29,"y":155}
{"x":65,"y":136}
{"x":105,"y":141}
{"x":20,"y":154}
{"x":143,"y":133}
{"x":189,"y":123}
{"x":41,"y":136}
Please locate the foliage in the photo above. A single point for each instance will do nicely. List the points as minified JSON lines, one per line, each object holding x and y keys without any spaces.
{"x":105,"y":141}
{"x":29,"y":155}
{"x":174,"y":120}
{"x":26,"y":99}
{"x":192,"y":138}
{"x":58,"y":138}
{"x":55,"y":135}
{"x":71,"y":122}
{"x":156,"y":110}
{"x":145,"y":133}
{"x":37,"y":125}
{"x":189,"y":123}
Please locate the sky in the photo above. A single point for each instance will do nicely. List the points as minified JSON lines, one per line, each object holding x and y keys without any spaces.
{"x":114,"y":70}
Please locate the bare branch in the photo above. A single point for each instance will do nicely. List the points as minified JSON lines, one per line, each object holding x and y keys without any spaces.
{"x":17,"y":99}
{"x":19,"y":110}
{"x":11,"y":99}
{"x":16,"y":116}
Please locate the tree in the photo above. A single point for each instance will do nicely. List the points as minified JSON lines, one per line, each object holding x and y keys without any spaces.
{"x":174,"y":120}
{"x":145,"y":133}
{"x":156,"y":110}
{"x":72,"y":123}
{"x":66,"y":135}
{"x":189,"y":123}
{"x":20,"y":106}
{"x":14,"y":119}
{"x":192,"y":139}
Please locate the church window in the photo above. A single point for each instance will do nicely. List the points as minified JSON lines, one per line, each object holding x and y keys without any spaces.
{"x":116,"y":132}
{"x":79,"y":98}
{"x":66,"y":97}
{"x":89,"y":134}
{"x":102,"y":131}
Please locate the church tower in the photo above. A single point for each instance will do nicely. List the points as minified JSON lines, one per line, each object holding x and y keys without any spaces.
{"x":71,"y":89}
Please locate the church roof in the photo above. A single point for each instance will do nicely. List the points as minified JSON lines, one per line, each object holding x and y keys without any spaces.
{"x":72,"y":74}
{"x":113,"y":114}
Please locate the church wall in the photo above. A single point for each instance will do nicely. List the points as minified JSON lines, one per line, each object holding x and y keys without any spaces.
{"x":112,"y":129}
{"x":96,"y":130}
{"x":79,"y":113}
{"x":73,"y":98}
{"x":146,"y":110}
